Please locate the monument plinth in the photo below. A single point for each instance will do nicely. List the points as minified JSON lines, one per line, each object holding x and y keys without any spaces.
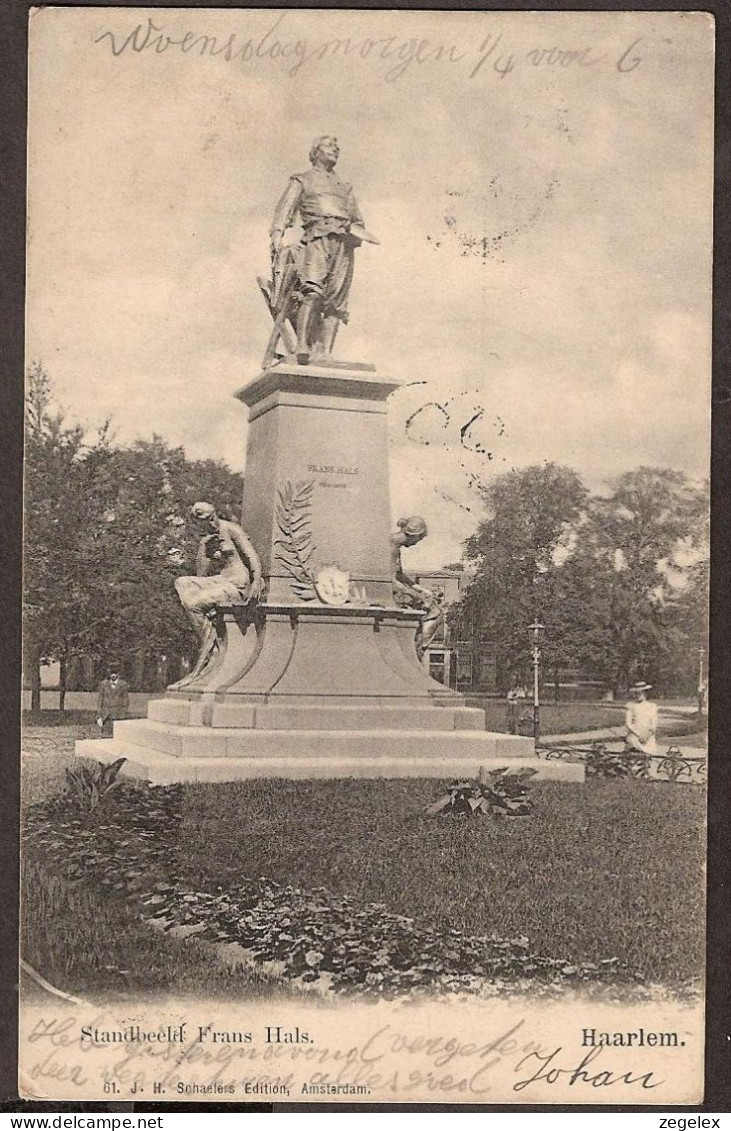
{"x":317,"y":463}
{"x":308,"y":625}
{"x":320,"y":677}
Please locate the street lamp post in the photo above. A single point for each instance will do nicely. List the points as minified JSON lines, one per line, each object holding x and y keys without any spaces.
{"x":701,"y":687}
{"x":536,"y":628}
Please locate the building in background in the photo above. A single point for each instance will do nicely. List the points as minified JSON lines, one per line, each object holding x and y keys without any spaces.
{"x":463,"y":663}
{"x":464,"y":657}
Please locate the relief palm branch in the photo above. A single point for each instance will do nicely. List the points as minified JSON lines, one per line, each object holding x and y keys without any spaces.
{"x":295,"y":546}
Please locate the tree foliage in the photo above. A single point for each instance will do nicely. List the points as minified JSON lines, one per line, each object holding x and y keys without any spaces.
{"x":532,"y":516}
{"x":617,"y":579}
{"x":107,"y":531}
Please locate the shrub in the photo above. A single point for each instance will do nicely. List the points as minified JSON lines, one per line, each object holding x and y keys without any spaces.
{"x":498,"y":793}
{"x":87,"y":785}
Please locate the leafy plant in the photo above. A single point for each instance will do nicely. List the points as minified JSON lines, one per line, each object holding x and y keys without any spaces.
{"x":87,"y":785}
{"x":497,"y":793}
{"x":603,"y":763}
{"x":295,"y":545}
{"x":344,"y":893}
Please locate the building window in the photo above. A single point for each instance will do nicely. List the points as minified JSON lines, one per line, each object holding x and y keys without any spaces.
{"x":437,"y":667}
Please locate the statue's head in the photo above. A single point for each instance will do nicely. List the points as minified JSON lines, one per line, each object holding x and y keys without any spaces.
{"x":413,"y":529}
{"x":205,"y":515}
{"x":325,"y":148}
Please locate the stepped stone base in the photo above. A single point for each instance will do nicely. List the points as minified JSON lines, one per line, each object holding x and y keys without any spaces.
{"x":296,"y":716}
{"x":197,"y":754}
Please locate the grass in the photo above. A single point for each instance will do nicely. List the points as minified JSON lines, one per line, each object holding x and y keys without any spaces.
{"x":696,"y":741}
{"x":562,"y":719}
{"x":570,"y":718}
{"x":72,"y":716}
{"x":50,"y":717}
{"x":84,"y":944}
{"x":611,"y":869}
{"x":46,"y":754}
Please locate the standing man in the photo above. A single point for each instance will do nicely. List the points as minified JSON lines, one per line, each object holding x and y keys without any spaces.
{"x":113,"y":701}
{"x":332,"y":229}
{"x":641,"y":720}
{"x":516,"y":698}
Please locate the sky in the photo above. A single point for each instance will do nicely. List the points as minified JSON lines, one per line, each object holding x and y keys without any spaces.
{"x":540,"y":183}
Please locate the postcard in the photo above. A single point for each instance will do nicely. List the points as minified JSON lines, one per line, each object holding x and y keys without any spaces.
{"x":366,"y":533}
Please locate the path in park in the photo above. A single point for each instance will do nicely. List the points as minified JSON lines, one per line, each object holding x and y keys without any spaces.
{"x":691,"y":744}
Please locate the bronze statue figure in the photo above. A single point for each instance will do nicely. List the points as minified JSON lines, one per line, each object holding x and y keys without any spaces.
{"x":407,"y":594}
{"x":227,"y":572}
{"x":310,"y":284}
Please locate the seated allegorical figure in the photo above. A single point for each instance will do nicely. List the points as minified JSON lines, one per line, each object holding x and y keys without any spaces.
{"x":228,"y":572}
{"x":407,"y":593}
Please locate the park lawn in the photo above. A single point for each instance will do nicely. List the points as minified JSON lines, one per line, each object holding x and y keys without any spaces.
{"x":562,"y":718}
{"x":612,"y":869}
{"x":86,"y":943}
{"x":571,"y":718}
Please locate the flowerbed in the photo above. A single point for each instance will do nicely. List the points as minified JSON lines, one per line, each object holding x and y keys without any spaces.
{"x":130,"y":848}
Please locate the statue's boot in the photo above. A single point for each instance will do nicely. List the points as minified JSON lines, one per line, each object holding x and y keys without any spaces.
{"x":330,"y":326}
{"x":304,"y":322}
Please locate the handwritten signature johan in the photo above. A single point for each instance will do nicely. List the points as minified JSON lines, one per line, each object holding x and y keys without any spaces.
{"x":545,"y":1066}
{"x":396,"y":54}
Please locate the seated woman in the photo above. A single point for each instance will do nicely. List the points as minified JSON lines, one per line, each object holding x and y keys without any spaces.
{"x":228,"y":572}
{"x":641,"y":721}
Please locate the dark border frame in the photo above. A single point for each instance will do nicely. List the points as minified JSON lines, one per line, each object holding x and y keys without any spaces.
{"x":13,"y":87}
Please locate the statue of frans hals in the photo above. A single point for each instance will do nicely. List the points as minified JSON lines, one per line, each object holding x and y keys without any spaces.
{"x":308,"y":291}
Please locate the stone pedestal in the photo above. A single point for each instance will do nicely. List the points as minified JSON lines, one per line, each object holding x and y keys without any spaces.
{"x":318,"y":680}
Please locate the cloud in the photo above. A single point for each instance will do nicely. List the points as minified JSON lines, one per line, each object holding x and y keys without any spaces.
{"x":545,"y":238}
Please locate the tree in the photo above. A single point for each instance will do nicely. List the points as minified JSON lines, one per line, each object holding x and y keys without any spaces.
{"x":640,"y":537}
{"x":532,"y":520}
{"x":57,"y":508}
{"x":107,"y":531}
{"x":650,"y":515}
{"x":612,"y":578}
